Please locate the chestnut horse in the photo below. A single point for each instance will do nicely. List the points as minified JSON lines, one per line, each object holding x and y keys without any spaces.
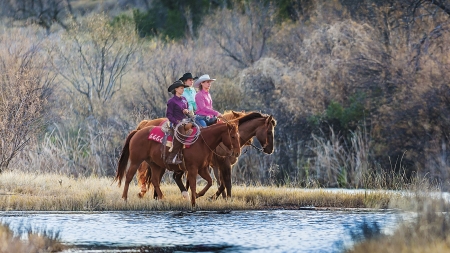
{"x":144,"y":168}
{"x":138,"y":148}
{"x":253,"y":124}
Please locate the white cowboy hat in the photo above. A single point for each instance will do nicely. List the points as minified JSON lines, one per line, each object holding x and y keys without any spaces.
{"x":202,"y":79}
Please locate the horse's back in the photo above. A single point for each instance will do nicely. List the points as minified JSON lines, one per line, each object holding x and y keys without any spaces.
{"x":153,"y":122}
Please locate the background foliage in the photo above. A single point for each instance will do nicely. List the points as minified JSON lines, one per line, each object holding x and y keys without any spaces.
{"x":359,"y":88}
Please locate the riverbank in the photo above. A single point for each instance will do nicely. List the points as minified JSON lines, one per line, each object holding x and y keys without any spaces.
{"x":51,"y":192}
{"x":37,"y":241}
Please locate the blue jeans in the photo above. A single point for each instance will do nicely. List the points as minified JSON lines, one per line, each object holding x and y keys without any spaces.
{"x":205,"y":121}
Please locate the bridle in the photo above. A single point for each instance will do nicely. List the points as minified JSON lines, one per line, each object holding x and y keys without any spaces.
{"x":266,"y":143}
{"x":229,"y":134}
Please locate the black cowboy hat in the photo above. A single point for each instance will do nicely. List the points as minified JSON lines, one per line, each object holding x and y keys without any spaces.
{"x":186,"y":76}
{"x":175,"y":85}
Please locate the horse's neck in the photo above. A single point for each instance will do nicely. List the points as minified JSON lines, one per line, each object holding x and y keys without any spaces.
{"x":247,"y":130}
{"x":214,"y":138}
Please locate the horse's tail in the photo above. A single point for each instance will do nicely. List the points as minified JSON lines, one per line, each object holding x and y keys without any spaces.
{"x":123,"y":161}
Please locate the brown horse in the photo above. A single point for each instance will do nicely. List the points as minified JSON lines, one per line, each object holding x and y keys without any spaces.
{"x":253,"y":124}
{"x":144,"y":171}
{"x":138,"y":149}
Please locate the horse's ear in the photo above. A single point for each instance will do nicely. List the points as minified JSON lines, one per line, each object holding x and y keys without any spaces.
{"x":269,"y":119}
{"x":236,"y":114}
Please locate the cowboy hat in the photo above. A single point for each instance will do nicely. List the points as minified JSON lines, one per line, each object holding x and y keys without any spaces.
{"x":186,"y":76}
{"x":202,"y":79}
{"x":175,"y":85}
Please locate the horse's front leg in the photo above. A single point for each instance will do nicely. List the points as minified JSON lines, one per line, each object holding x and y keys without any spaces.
{"x":225,"y":179}
{"x":204,"y":173}
{"x":157,"y":174}
{"x":177,"y":176}
{"x":219,"y":180}
{"x":192,"y":178}
{"x":226,"y":176}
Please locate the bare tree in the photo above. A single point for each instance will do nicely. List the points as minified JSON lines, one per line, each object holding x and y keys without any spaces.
{"x":25,"y":85}
{"x":242,"y":35}
{"x":41,"y":12}
{"x":420,"y":12}
{"x":94,"y":57}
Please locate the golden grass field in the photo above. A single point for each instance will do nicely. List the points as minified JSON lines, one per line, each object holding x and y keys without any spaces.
{"x":52,"y":192}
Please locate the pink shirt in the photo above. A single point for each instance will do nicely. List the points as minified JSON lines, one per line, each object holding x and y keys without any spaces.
{"x":204,"y":104}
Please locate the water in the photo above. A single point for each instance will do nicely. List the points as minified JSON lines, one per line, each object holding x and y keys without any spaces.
{"x":205,"y":231}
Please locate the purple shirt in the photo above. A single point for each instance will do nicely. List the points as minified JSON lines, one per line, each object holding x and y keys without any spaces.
{"x":175,"y":107}
{"x":204,"y":104}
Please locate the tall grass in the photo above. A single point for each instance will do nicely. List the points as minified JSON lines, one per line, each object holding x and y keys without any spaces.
{"x":55,"y":192}
{"x":35,"y":242}
{"x":429,"y":231}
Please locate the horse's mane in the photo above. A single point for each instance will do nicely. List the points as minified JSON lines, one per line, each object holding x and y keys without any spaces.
{"x":254,"y":115}
{"x":230,"y":114}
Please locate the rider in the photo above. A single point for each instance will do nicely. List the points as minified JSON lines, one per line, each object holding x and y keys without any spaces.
{"x":189,"y":91}
{"x":205,"y":114}
{"x":177,"y":109}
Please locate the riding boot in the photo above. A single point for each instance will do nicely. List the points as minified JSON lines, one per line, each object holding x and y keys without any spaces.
{"x":174,"y":156}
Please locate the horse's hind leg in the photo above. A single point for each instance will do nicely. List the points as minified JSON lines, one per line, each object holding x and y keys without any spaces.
{"x":143,"y":169}
{"x":132,"y":168}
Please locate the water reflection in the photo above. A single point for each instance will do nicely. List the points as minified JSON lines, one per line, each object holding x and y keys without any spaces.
{"x":236,"y":231}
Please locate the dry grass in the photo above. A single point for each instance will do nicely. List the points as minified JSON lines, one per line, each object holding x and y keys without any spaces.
{"x":428,"y":232}
{"x":52,"y":192}
{"x":36,"y":242}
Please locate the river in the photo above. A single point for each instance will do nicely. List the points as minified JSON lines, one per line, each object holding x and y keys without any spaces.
{"x":206,"y":231}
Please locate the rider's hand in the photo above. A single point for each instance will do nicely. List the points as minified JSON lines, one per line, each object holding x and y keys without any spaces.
{"x":185,"y":111}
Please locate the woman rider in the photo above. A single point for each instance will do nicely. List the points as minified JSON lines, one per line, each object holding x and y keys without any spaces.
{"x":177,"y":109}
{"x":189,"y":91}
{"x":205,"y":114}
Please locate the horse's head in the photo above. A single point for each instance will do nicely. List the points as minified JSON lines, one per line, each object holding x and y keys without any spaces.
{"x":265,"y":134}
{"x":231,"y":139}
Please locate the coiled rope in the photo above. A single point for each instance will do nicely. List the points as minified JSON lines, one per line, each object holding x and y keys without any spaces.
{"x":183,"y":138}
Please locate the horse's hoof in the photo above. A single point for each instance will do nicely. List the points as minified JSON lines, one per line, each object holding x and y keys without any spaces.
{"x":185,"y":195}
{"x":141,"y":195}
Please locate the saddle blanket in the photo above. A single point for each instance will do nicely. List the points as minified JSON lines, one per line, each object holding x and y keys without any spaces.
{"x":156,"y":134}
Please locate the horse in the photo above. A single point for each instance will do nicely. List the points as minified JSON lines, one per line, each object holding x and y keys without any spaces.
{"x":144,"y":171}
{"x":253,"y":124}
{"x":138,"y":148}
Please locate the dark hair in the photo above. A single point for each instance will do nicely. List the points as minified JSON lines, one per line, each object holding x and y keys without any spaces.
{"x":186,"y":76}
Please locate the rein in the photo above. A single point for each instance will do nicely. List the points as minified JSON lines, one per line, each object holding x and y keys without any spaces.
{"x":259,"y":149}
{"x":201,"y":135}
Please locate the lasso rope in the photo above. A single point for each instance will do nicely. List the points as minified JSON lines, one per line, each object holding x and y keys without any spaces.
{"x":184,"y":138}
